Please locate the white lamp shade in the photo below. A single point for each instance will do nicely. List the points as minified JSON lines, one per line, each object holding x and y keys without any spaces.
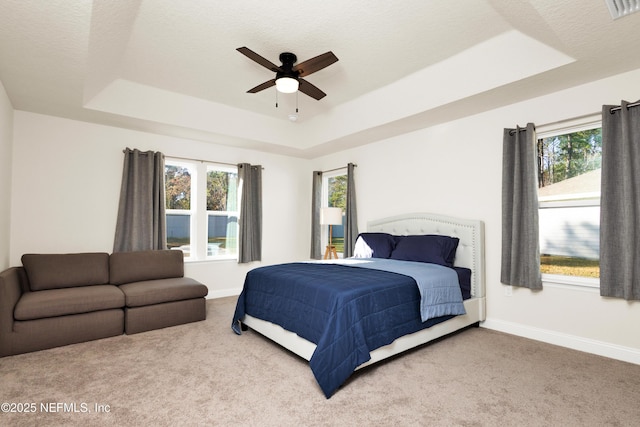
{"x":331,"y":216}
{"x":286,"y":85}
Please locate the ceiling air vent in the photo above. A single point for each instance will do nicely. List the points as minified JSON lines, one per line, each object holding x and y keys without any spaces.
{"x":621,"y":8}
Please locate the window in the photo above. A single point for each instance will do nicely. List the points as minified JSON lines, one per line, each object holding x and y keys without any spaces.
{"x":202,"y":209}
{"x":222,"y":212}
{"x":569,"y":164}
{"x":334,"y":194}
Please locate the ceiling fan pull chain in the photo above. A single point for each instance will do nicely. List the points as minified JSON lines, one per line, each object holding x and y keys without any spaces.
{"x":276,"y":98}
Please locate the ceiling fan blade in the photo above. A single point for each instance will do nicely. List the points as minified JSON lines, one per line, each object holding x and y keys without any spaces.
{"x":315,"y":64}
{"x":259,"y":59}
{"x":311,"y":90}
{"x":263,"y":86}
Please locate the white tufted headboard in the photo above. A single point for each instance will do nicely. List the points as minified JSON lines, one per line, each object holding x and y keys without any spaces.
{"x":470,"y":253}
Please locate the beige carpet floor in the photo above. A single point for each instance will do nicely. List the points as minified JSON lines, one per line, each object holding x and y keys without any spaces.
{"x":203,"y":374}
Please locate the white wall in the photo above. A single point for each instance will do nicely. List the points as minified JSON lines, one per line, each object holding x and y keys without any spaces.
{"x":6,"y":138}
{"x":455,"y":169}
{"x":66,"y":184}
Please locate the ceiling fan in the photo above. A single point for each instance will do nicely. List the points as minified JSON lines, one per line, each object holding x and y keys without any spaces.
{"x":288,"y":75}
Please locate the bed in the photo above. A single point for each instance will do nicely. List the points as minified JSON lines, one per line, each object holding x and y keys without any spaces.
{"x":344,"y":315}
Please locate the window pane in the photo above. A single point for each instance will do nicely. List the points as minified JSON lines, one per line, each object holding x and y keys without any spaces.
{"x":569,"y":195}
{"x":179,"y":232}
{"x":177,"y":187}
{"x":222,"y":235}
{"x":563,"y":157}
{"x":570,"y":240}
{"x":177,"y":181}
{"x":222,"y":220}
{"x":221,"y":190}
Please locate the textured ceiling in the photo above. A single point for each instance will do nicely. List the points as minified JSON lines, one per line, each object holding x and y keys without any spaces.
{"x":172,"y":67}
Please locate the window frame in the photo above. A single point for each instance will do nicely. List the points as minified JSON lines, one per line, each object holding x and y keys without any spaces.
{"x":198,"y":239}
{"x":325,"y":203}
{"x":577,"y":200}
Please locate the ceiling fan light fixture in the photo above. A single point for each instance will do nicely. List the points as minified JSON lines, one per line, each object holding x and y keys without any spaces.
{"x":287,"y":84}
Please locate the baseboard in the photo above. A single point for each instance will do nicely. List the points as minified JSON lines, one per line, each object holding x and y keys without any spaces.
{"x":601,"y":348}
{"x":222,"y":293}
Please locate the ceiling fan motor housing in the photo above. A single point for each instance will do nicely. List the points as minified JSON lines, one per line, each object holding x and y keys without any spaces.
{"x":287,"y":59}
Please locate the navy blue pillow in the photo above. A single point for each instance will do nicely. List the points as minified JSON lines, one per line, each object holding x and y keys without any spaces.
{"x":374,"y":245}
{"x":429,"y":248}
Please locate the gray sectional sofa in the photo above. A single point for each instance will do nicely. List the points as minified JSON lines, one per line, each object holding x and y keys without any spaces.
{"x":59,"y":299}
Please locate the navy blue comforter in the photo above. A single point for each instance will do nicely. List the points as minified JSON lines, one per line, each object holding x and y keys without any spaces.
{"x":346,"y":311}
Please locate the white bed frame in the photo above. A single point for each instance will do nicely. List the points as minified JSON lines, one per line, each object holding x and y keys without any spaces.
{"x":470,"y":254}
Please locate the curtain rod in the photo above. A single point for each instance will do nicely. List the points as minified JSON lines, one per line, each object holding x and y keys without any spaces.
{"x":193,"y":160}
{"x":633,"y":104}
{"x":513,"y":131}
{"x":202,"y":161}
{"x":337,"y":169}
{"x":612,"y":110}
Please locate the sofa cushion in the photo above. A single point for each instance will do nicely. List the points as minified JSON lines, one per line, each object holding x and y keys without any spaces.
{"x":55,"y":271}
{"x":61,"y":302}
{"x":127,"y":267}
{"x":151,"y":292}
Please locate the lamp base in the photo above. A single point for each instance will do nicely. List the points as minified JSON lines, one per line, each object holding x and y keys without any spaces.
{"x":330,"y":252}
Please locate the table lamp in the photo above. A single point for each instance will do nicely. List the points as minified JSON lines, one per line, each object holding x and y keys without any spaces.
{"x":330,"y":217}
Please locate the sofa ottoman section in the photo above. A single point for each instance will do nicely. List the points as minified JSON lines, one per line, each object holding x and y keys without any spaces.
{"x":155,"y":304}
{"x":157,"y":294}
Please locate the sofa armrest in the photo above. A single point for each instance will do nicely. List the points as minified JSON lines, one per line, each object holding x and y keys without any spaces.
{"x":10,"y":293}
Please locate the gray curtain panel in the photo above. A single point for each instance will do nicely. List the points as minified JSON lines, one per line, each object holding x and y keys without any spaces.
{"x":520,"y":236}
{"x":316,"y":203}
{"x":620,"y":202}
{"x":351,"y":226}
{"x":141,"y":222}
{"x":250,"y":220}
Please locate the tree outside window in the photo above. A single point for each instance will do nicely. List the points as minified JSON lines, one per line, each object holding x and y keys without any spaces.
{"x":566,"y":156}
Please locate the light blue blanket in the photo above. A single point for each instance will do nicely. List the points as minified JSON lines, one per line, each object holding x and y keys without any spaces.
{"x":440,"y":293}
